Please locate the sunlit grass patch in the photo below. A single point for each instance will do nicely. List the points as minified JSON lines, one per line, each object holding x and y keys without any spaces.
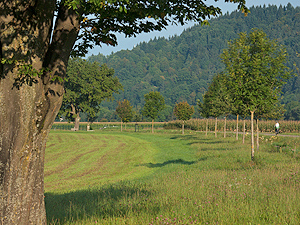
{"x":175,"y":179}
{"x":85,"y":160}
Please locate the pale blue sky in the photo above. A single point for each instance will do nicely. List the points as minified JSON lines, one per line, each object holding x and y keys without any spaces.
{"x":129,"y":43}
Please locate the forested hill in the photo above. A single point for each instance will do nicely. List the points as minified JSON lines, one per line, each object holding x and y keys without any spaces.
{"x":181,"y":67}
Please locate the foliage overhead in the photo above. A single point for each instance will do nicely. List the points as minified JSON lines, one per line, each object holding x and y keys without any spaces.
{"x":87,"y":85}
{"x":100,"y":19}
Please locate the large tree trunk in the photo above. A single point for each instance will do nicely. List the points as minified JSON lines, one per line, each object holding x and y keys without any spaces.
{"x":77,"y":118}
{"x":27,"y":111}
{"x":183,"y":127}
{"x":76,"y":124}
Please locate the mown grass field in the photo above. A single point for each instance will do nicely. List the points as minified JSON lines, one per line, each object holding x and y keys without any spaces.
{"x":109,"y":177}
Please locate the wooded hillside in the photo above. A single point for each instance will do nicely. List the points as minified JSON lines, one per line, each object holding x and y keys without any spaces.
{"x":181,"y":67}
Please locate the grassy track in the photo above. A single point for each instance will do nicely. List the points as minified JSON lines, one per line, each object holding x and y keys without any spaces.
{"x":81,"y":160}
{"x":141,"y":178}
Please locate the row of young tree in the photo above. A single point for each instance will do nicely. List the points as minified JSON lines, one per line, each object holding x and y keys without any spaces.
{"x":250,"y":85}
{"x":154,"y":103}
{"x":88,"y":84}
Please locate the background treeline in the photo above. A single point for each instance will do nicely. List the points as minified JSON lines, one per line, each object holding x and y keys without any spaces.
{"x":181,"y":67}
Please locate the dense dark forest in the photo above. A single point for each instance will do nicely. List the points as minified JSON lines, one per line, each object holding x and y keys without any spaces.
{"x":181,"y":67}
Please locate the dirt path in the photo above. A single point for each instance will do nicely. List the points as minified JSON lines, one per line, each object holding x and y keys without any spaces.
{"x":268,"y":134}
{"x":280,"y":135}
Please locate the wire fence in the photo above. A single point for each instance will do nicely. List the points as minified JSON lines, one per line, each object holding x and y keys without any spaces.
{"x":263,"y":126}
{"x":193,"y":124}
{"x":131,"y":126}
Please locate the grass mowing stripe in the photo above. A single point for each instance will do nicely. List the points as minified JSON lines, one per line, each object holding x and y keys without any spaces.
{"x":190,"y":179}
{"x":83,"y":160}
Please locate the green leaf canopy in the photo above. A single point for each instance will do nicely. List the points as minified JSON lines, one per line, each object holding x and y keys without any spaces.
{"x":256,"y":70}
{"x":100,"y":19}
{"x":154,"y":103}
{"x":183,"y":111}
{"x":86,"y":86}
{"x":124,"y":110}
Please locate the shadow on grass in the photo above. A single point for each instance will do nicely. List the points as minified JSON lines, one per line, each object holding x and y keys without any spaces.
{"x":197,"y":140}
{"x":206,"y":142}
{"x":185,"y":137}
{"x":176,"y":161}
{"x":110,"y":202}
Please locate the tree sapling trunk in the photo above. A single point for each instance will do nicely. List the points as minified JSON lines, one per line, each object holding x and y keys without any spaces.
{"x":237,"y":127}
{"x":216,"y":124}
{"x":225,"y":127}
{"x":257,"y":135}
{"x":244,"y":130}
{"x":206,"y":127}
{"x":252,"y":136}
{"x":152,"y":126}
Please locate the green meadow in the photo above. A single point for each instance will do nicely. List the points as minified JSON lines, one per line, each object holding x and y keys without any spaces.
{"x":111,"y":177}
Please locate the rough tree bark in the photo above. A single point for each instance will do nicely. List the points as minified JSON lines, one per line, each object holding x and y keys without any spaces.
{"x":28,"y":111}
{"x":77,"y":118}
{"x":76,"y":123}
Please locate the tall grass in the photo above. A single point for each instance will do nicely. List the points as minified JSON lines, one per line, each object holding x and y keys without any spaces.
{"x":173,"y":179}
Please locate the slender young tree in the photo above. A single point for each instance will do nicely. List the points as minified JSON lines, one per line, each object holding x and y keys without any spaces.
{"x":87,"y":85}
{"x":216,"y":100}
{"x":221,"y":97}
{"x":256,"y":68}
{"x":124,"y":111}
{"x":183,"y":111}
{"x":204,"y":112}
{"x":154,"y":103}
{"x":36,"y":41}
